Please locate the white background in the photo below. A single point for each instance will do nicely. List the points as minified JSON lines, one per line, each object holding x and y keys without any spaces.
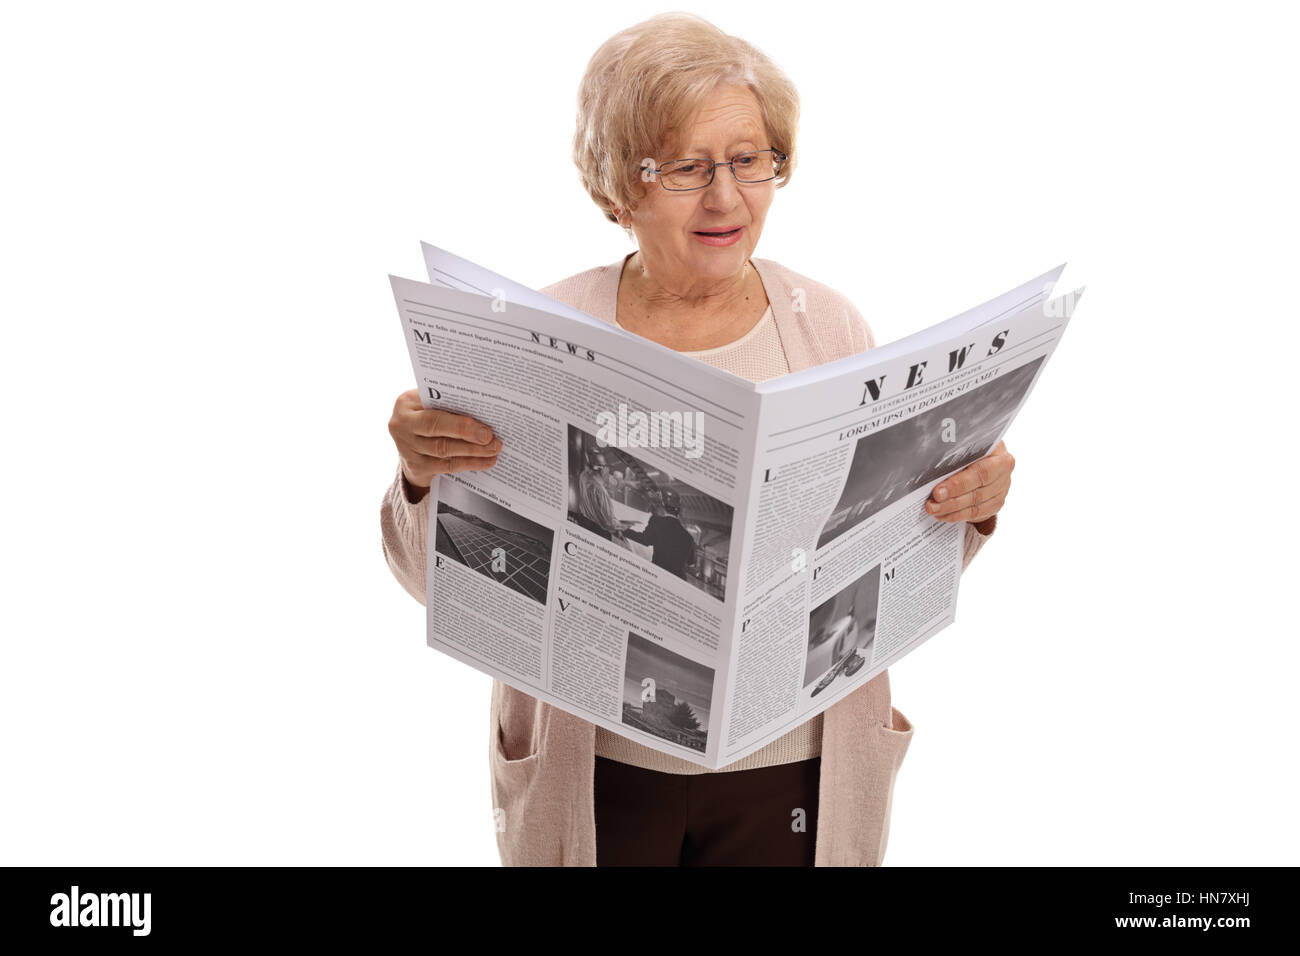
{"x":205,"y":658}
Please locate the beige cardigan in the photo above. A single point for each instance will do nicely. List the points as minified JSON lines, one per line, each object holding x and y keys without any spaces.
{"x":543,"y":759}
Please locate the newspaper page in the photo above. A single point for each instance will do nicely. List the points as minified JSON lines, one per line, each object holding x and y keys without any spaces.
{"x":677,"y":554}
{"x":590,"y":566}
{"x":844,"y":571}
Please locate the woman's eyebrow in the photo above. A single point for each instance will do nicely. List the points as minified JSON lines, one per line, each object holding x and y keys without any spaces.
{"x":702,"y":150}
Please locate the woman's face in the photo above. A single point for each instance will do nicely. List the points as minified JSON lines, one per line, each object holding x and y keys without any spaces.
{"x":666,"y":223}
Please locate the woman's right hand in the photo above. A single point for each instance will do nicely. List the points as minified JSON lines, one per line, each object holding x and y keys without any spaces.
{"x":432,"y":441}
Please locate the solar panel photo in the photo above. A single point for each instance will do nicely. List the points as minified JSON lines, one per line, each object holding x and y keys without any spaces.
{"x":496,"y":543}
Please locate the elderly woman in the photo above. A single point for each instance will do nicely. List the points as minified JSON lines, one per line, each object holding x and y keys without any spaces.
{"x":684,"y":135}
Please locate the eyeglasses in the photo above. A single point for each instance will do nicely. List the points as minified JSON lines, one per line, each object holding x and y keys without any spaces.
{"x":682,"y":175}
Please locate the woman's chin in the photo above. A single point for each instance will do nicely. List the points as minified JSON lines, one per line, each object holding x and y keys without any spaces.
{"x":719,"y":263}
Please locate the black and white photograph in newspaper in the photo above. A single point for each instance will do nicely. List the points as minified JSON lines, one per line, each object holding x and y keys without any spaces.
{"x":894,"y":462}
{"x":666,"y":694}
{"x":841,"y":631}
{"x":492,"y":540}
{"x":649,"y":513}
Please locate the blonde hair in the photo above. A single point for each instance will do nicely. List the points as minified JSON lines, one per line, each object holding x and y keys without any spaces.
{"x":648,"y":81}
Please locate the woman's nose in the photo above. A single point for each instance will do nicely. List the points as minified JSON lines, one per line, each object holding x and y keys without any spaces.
{"x":723,"y":192}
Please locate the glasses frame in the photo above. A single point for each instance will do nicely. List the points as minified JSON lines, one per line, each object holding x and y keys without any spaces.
{"x":777,"y":155}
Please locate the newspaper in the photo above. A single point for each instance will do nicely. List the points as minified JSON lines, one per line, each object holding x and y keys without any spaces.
{"x":695,"y":561}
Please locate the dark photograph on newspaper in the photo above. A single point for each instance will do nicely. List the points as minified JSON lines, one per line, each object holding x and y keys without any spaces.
{"x":650,"y":513}
{"x":892,"y":463}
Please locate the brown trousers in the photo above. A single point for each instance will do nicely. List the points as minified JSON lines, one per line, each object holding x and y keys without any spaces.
{"x":761,"y":817}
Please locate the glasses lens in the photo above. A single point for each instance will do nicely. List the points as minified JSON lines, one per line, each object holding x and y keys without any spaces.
{"x":685,"y":174}
{"x":755,"y":167}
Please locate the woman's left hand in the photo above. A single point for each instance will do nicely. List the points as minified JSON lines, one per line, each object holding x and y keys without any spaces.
{"x":975,"y":493}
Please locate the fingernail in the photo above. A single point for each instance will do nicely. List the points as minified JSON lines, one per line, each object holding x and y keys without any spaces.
{"x":940,"y":494}
{"x":484,"y":435}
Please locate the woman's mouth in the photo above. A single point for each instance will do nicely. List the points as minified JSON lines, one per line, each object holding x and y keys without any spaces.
{"x":719,"y":237}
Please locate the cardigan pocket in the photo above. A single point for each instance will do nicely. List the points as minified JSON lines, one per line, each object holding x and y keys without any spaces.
{"x":512,"y":781}
{"x":514,"y":722}
{"x":894,"y":741}
{"x":504,"y":758}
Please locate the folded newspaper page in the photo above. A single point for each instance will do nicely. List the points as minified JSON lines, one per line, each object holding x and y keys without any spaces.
{"x":696,"y":561}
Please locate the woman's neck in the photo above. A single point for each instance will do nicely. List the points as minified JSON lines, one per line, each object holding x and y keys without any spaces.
{"x":701,"y":319}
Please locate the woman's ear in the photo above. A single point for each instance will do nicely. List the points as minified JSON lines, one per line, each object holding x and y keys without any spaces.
{"x":625,"y":221}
